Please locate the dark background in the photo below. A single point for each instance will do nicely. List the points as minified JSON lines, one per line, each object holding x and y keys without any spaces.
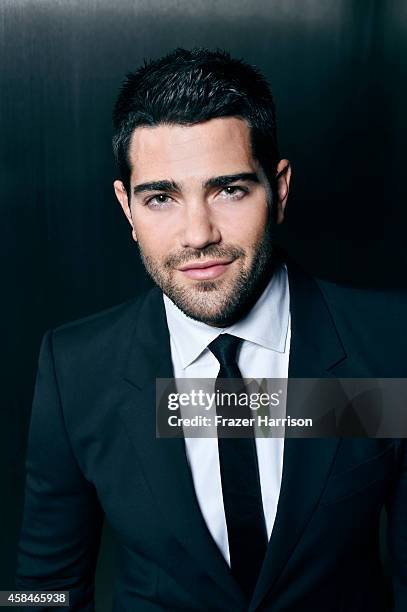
{"x":336,"y":70}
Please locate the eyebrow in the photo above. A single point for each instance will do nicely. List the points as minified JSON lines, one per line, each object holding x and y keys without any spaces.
{"x":156,"y":186}
{"x":223,"y":181}
{"x":217,"y":181}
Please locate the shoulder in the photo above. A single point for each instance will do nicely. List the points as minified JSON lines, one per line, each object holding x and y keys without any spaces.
{"x":365,"y":305}
{"x":372,"y":321}
{"x":98,"y":325}
{"x":98,"y":339}
{"x":351,"y":306}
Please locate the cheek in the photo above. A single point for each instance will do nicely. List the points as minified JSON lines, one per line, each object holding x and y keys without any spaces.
{"x":153,"y":237}
{"x":246,"y":227}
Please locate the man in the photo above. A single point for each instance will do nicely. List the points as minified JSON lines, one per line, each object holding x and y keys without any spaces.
{"x":206,"y":524}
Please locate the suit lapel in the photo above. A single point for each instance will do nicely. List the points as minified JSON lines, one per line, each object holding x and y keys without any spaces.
{"x":164,"y":461}
{"x":314,"y":352}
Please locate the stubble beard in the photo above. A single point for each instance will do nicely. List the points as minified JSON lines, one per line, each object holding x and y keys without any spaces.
{"x":222,"y":301}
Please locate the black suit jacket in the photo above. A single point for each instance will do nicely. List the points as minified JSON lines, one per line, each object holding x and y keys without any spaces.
{"x":93,"y":452}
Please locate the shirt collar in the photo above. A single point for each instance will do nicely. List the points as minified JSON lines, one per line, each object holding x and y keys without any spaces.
{"x":266,"y":324}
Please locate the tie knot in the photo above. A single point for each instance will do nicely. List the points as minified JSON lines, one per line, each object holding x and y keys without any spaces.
{"x":224,"y":348}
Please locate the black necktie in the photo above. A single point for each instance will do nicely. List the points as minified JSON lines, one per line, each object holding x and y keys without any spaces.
{"x":239,"y":472}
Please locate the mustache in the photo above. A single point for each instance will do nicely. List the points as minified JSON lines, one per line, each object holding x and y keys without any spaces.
{"x":211,"y":251}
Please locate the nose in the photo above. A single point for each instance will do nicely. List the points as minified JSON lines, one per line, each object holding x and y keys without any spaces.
{"x":199,"y":229}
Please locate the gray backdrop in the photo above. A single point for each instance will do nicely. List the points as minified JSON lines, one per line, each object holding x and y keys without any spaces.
{"x":336,"y":69}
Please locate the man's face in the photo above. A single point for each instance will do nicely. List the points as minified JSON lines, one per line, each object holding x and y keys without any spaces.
{"x":200,"y":213}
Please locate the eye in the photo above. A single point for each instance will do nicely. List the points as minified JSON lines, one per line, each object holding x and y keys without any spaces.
{"x":233,"y":192}
{"x":160,"y":200}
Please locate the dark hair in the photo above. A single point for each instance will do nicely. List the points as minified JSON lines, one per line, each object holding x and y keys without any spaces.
{"x":187,"y":87}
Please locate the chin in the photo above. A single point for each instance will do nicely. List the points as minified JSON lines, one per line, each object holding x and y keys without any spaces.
{"x":213,"y":319}
{"x":206,"y":310}
{"x":218,"y":302}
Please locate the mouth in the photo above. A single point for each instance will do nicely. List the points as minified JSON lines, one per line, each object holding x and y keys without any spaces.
{"x":205,"y":270}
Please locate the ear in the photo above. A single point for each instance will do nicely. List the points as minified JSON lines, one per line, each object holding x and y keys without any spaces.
{"x":121,"y":195}
{"x":283,"y":176}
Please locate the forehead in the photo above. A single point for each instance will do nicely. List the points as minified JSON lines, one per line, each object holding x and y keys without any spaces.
{"x":211,"y":148}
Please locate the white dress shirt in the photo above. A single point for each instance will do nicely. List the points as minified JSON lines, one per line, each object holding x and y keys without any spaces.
{"x":264,"y":354}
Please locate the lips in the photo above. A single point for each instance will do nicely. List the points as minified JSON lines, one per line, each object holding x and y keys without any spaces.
{"x":205,"y":270}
